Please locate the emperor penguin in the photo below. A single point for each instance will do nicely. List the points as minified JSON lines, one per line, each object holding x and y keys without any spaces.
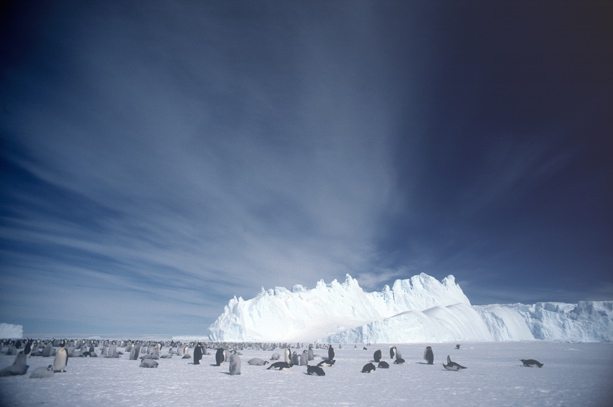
{"x":368,"y":368}
{"x":377,"y":355}
{"x":310,"y":353}
{"x":315,"y":371}
{"x":197,"y":353}
{"x":330,"y":353}
{"x":393,"y":352}
{"x":295,"y":359}
{"x":429,"y":355}
{"x":28,"y":347}
{"x":42,"y":372}
{"x":531,"y":363}
{"x":235,"y":364}
{"x":304,"y":358}
{"x":288,"y":355}
{"x":453,"y":366}
{"x":61,"y":358}
{"x":112,"y":352}
{"x":18,"y":368}
{"x":220,"y":356}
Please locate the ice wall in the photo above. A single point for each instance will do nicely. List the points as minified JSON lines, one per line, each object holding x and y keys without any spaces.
{"x":8,"y":331}
{"x":419,"y":309}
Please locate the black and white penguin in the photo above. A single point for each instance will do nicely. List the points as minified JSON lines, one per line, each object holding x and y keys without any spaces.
{"x":429,"y":355}
{"x":393,"y":352}
{"x":280,"y":366}
{"x":310,"y":353}
{"x":399,"y":361}
{"x":315,"y":371}
{"x":368,"y":368}
{"x":377,"y":356}
{"x":28,"y":348}
{"x":220,"y":356}
{"x":287,"y":355}
{"x":198,"y":354}
{"x":61,"y":359}
{"x":326,"y":363}
{"x":453,"y":366}
{"x":330,"y":353}
{"x":235,"y":364}
{"x":383,"y":365}
{"x":531,"y":363}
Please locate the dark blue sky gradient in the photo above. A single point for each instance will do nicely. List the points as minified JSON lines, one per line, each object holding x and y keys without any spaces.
{"x":157,"y":159}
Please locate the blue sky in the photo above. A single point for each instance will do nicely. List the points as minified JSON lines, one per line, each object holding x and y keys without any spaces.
{"x":159,"y":158}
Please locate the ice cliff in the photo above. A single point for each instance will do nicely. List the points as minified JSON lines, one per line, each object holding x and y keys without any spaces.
{"x":11,"y":331}
{"x":419,"y":309}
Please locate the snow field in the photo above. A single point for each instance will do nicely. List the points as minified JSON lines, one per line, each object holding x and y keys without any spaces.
{"x":574,"y":374}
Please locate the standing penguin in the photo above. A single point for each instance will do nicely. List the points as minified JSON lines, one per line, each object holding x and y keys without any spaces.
{"x":295,"y":359}
{"x":377,"y":356}
{"x":330,"y":353}
{"x":61,"y":358}
{"x":112,"y":352}
{"x":429,"y":355}
{"x":393,"y":352}
{"x":28,"y":348}
{"x":220,"y":356}
{"x":235,"y":364}
{"x":311,"y":354}
{"x":197,"y":353}
{"x":288,"y":355}
{"x":304,"y":358}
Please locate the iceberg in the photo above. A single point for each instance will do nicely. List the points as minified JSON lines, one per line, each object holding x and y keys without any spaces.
{"x":418,"y":309}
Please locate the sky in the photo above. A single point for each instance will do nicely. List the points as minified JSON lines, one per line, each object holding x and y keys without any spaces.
{"x":159,"y":158}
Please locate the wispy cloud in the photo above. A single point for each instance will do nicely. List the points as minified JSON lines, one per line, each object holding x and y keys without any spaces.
{"x":182,"y":175}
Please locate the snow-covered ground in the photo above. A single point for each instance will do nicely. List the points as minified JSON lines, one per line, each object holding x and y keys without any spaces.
{"x":574,"y":374}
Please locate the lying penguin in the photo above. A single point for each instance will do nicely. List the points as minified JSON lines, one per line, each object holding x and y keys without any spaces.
{"x":453,"y":366}
{"x":280,"y":366}
{"x":326,"y":363}
{"x":369,"y":368}
{"x":315,"y":371}
{"x":531,"y":363}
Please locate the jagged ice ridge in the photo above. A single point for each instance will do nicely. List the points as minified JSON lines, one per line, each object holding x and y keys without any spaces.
{"x":418,"y":309}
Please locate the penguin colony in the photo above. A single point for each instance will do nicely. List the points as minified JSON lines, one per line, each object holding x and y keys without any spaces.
{"x":149,"y":352}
